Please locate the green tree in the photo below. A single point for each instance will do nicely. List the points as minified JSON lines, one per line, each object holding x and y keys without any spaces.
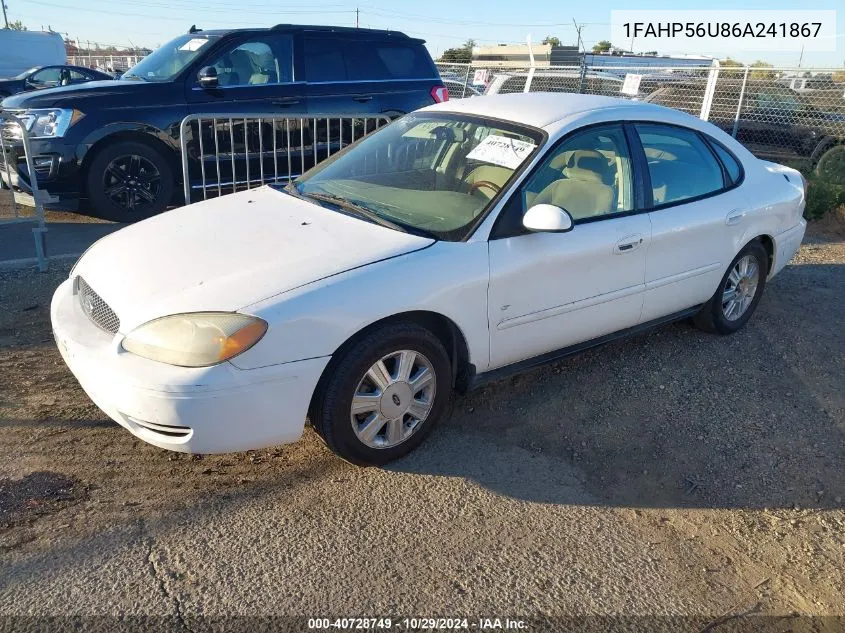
{"x":602,"y":47}
{"x":551,"y":39}
{"x":459,"y":55}
{"x":760,"y":71}
{"x":17,"y":25}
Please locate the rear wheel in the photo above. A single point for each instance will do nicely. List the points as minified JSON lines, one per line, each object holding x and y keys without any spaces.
{"x":739,"y":292}
{"x":129,"y":181}
{"x":384,"y":395}
{"x":831,"y":165}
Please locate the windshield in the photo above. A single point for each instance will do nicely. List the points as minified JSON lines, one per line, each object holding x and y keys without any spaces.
{"x":164,"y":63}
{"x":27,"y":73}
{"x":436,"y":173}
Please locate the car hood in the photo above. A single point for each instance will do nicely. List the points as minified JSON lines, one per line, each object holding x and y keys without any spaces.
{"x":74,"y":96}
{"x":229,"y":252}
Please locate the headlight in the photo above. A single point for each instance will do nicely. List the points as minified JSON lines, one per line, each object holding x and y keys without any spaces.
{"x":49,"y":123}
{"x":195,"y":340}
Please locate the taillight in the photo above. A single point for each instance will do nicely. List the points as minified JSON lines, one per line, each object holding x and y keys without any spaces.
{"x":806,"y":184}
{"x":440,"y":94}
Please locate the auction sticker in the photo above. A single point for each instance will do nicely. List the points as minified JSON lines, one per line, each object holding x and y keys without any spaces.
{"x":502,"y":151}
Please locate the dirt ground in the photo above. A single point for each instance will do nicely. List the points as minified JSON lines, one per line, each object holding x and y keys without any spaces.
{"x":673,"y":474}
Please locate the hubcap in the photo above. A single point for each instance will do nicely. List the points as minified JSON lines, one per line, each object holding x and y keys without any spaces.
{"x":393,"y":399}
{"x":740,"y":288}
{"x":132,"y":182}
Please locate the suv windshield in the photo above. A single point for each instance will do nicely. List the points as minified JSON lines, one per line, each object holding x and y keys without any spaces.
{"x":433,"y":173}
{"x":164,"y":63}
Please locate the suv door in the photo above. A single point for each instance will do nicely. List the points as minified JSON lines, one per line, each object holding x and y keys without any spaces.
{"x":554,"y":290}
{"x":256,"y":77}
{"x":698,"y":217}
{"x":337,"y":84}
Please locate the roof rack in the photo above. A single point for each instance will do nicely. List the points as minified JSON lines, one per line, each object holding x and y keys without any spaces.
{"x":337,"y":29}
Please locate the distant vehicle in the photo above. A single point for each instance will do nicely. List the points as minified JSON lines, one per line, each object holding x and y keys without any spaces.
{"x":123,"y":155}
{"x":49,"y":77}
{"x":775,"y":122}
{"x":458,"y":89}
{"x":21,"y":50}
{"x":556,"y":81}
{"x":465,"y":242}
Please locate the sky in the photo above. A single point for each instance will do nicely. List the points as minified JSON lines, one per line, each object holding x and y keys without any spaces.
{"x":442,"y":23}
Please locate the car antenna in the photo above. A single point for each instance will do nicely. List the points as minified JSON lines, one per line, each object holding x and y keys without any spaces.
{"x":194,"y":29}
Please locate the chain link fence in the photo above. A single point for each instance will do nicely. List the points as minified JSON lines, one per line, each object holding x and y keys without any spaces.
{"x":789,"y":115}
{"x":105,"y":62}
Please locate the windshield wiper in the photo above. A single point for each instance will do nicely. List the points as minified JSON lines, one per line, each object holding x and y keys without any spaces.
{"x":358,"y":209}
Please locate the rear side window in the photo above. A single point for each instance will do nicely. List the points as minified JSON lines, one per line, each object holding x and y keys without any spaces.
{"x":324,"y":60}
{"x":731,"y":164}
{"x":334,"y":59}
{"x":680,"y":164}
{"x":405,"y":61}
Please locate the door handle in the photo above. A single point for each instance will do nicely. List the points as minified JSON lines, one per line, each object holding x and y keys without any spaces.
{"x":628,"y":244}
{"x":362,"y":99}
{"x":287,"y":101}
{"x":735,"y":217}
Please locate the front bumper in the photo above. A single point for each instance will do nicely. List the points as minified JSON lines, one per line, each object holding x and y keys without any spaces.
{"x":56,"y":171}
{"x":217,"y":409}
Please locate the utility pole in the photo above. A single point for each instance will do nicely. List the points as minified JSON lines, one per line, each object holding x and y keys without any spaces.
{"x":5,"y":19}
{"x":578,"y":30}
{"x":356,"y":17}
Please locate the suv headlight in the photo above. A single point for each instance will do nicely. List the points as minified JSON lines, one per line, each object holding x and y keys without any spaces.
{"x":197,"y":339}
{"x":50,"y":122}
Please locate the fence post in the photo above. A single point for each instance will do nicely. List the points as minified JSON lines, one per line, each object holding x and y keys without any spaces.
{"x":739,"y":103}
{"x":583,"y":74}
{"x":707,"y":101}
{"x":466,"y":81}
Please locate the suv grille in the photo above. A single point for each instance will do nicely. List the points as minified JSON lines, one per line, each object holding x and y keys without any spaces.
{"x":95,"y":308}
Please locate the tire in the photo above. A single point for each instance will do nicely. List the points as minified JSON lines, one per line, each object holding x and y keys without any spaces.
{"x":129,"y":181}
{"x":714,"y":315}
{"x":348,"y":377}
{"x":831,"y":165}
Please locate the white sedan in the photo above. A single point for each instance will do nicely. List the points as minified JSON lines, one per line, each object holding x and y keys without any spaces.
{"x":463,"y":242}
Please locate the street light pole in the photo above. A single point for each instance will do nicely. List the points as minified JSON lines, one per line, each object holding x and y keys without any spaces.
{"x":5,"y":19}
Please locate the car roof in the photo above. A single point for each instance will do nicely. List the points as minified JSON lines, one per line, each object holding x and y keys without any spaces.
{"x":541,"y":109}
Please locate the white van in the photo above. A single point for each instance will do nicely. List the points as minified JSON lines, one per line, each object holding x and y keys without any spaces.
{"x":22,"y":50}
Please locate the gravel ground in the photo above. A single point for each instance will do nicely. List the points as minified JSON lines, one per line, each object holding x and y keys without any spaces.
{"x":673,"y":474}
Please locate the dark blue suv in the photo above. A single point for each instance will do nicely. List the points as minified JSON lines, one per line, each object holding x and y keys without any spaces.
{"x":116,"y":143}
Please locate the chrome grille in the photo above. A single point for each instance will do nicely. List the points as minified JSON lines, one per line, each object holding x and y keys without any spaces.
{"x":95,"y":308}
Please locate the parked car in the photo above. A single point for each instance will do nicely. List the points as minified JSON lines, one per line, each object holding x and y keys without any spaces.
{"x":556,"y":81}
{"x":774,"y":122}
{"x":25,"y":49}
{"x":41,"y":77}
{"x":117,"y":143}
{"x":464,"y":242}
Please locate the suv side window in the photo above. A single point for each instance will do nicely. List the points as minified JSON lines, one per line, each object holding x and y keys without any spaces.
{"x":256,"y":63}
{"x":324,"y":60}
{"x":680,"y":165}
{"x":588,"y":175}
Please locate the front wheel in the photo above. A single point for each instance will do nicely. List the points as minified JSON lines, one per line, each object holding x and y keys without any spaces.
{"x":129,"y":181}
{"x":739,"y":292}
{"x":384,"y":395}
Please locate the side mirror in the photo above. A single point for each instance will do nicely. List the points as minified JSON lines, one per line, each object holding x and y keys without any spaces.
{"x":208,"y":77}
{"x":547,"y":218}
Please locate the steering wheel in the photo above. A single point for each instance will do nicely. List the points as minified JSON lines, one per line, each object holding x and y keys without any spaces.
{"x":478,"y":184}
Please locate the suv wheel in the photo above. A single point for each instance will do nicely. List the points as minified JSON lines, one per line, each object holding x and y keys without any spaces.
{"x":738,"y":294}
{"x":384,"y":395}
{"x":129,"y":181}
{"x":831,"y":165}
